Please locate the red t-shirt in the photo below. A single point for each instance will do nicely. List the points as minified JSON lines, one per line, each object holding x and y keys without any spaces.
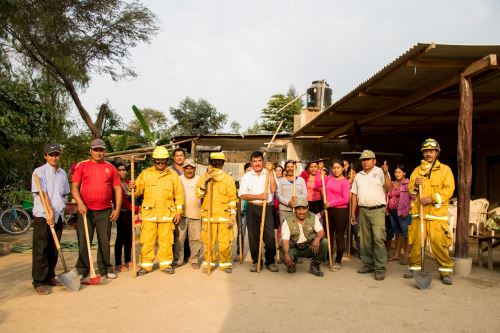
{"x":96,"y":183}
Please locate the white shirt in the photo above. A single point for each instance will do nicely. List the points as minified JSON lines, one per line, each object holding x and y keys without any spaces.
{"x":251,"y":183}
{"x":192,"y":204}
{"x":370,"y":187}
{"x":285,"y":230}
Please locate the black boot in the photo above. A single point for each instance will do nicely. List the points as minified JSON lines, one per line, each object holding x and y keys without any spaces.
{"x":314,"y":268}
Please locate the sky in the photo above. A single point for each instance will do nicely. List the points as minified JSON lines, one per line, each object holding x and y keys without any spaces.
{"x":236,"y":54}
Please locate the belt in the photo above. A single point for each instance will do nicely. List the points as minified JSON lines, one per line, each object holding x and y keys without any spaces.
{"x":258,"y":204}
{"x":372,"y":207}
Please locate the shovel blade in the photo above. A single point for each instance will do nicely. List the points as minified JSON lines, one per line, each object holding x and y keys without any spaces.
{"x":423,"y":279}
{"x":70,"y":280}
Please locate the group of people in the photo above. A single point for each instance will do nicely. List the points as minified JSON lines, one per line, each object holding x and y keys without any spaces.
{"x":178,"y":204}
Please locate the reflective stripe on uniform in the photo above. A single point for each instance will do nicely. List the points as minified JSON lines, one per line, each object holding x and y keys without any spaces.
{"x":439,"y":200}
{"x":232,"y":204}
{"x":232,"y":211}
{"x":179,"y":207}
{"x":146,"y":264}
{"x":167,"y":218}
{"x":204,"y":264}
{"x":225,"y":264}
{"x":433,"y":217}
{"x":167,"y":262}
{"x":414,"y":268}
{"x":445,"y":269}
{"x":200,"y":191}
{"x":149,"y":218}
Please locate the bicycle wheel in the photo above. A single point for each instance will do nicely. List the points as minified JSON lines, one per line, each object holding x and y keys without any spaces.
{"x":15,"y":221}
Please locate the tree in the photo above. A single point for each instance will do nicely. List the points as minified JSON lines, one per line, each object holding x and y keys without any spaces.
{"x":69,"y":40}
{"x":272,"y":118}
{"x":235,"y":127}
{"x":196,"y":118}
{"x":256,"y":128}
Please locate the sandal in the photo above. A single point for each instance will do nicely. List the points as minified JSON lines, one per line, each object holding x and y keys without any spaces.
{"x":336,"y":267}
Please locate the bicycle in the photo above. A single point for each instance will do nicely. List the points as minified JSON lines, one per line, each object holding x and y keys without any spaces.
{"x":14,"y":220}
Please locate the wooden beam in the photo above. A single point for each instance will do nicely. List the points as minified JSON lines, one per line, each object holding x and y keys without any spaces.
{"x":464,"y":167}
{"x":437,"y":63}
{"x":476,"y":67}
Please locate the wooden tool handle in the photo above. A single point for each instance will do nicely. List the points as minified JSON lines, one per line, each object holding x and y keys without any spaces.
{"x":263,"y":221}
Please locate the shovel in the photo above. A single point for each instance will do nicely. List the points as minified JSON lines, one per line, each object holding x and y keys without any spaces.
{"x":69,"y":279}
{"x":422,"y":279}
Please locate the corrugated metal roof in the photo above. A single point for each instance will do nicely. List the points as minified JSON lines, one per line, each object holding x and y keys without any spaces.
{"x":413,"y":73}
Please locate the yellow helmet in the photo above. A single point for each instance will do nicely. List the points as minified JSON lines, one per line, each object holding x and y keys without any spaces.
{"x":430,"y":144}
{"x":160,"y":152}
{"x":217,"y":156}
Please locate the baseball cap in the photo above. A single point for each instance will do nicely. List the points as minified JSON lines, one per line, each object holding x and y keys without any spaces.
{"x":367,"y":154}
{"x":52,"y":148}
{"x":98,"y":143}
{"x":189,"y":162}
{"x":301,"y":202}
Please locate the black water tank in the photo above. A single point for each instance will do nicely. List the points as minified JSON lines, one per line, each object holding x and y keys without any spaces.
{"x":314,"y":95}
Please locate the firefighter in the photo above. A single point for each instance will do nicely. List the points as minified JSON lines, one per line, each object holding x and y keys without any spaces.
{"x":161,"y":210}
{"x":223,"y":212}
{"x":437,"y":188}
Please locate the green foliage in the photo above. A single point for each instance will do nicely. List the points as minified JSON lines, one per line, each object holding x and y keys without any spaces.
{"x":256,"y":128}
{"x":196,"y":118}
{"x":271,"y":117}
{"x":235,"y":127}
{"x":151,"y":123}
{"x":69,"y":40}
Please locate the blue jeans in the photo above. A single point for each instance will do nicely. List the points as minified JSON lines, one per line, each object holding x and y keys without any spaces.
{"x":399,"y":224}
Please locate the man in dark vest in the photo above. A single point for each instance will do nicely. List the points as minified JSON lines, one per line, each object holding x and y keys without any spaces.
{"x":303,"y":236}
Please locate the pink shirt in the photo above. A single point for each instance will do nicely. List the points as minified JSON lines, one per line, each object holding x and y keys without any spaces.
{"x":313,"y":185}
{"x":337,"y":192}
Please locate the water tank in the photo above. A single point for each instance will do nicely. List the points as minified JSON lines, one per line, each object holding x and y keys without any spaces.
{"x":314,"y":93}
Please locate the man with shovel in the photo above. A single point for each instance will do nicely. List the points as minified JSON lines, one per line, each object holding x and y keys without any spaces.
{"x":220,"y":207}
{"x":92,"y":185}
{"x":437,"y":184}
{"x":54,"y":184}
{"x":161,"y":211}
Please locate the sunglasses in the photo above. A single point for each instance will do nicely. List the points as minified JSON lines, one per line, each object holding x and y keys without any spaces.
{"x":54,"y":154}
{"x":99,"y":150}
{"x":160,"y":161}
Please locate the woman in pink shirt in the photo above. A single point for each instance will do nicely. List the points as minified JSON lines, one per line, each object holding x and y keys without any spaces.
{"x":337,"y":199}
{"x":312,"y":178}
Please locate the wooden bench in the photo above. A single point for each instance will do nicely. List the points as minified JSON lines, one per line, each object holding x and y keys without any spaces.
{"x":490,"y":245}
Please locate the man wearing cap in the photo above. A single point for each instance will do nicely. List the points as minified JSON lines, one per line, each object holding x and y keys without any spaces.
{"x":54,"y":184}
{"x":222,"y":204}
{"x":252,"y":189}
{"x":368,"y":193}
{"x":302,"y":235}
{"x":438,"y":185}
{"x":92,"y":186}
{"x":161,"y":210}
{"x":190,"y":224}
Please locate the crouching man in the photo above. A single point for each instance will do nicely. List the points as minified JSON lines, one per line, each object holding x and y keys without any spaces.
{"x":302,"y":235}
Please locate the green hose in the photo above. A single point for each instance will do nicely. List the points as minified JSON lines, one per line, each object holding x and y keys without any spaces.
{"x":66,"y":246}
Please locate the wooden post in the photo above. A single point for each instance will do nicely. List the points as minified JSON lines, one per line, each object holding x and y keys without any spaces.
{"x":464,"y":166}
{"x":134,"y":260}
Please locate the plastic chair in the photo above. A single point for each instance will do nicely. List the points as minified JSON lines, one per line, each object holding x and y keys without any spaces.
{"x":477,"y":214}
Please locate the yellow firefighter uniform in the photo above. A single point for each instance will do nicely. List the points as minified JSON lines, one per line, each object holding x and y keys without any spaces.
{"x":439,"y":186}
{"x":163,"y":198}
{"x":223,"y":210}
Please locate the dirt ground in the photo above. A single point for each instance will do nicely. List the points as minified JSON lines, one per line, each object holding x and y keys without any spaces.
{"x":190,"y":301}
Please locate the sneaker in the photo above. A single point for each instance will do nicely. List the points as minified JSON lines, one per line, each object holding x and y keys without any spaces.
{"x":195,"y":266}
{"x":41,"y":290}
{"x":336,"y":267}
{"x":379,"y":275}
{"x":228,"y":270}
{"x":447,"y":280}
{"x":408,"y":274}
{"x":169,"y":270}
{"x":365,"y":269}
{"x":253,"y":269}
{"x":111,"y":276}
{"x":273,"y":268}
{"x":142,"y":272}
